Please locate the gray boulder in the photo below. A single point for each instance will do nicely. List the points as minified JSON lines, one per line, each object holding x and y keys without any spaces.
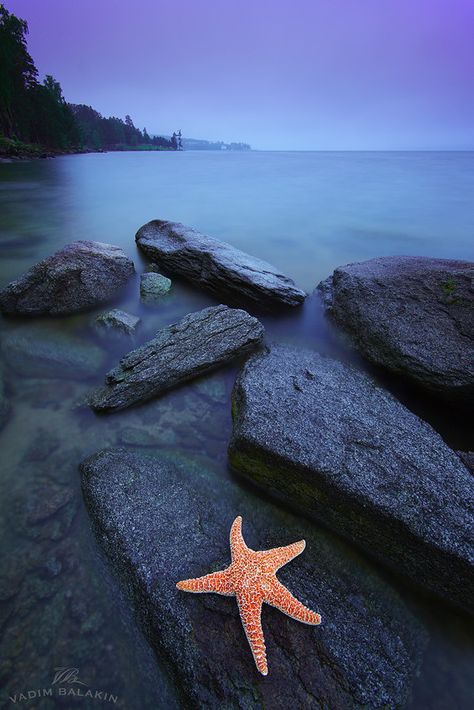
{"x":116,"y":322}
{"x":327,"y":439}
{"x":411,"y":315}
{"x":153,"y":286}
{"x":38,"y":353}
{"x":80,"y":276}
{"x":216,"y":266}
{"x":199,"y":343}
{"x":161,"y":521}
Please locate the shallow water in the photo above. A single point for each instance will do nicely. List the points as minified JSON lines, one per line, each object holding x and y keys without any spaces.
{"x":304,"y":212}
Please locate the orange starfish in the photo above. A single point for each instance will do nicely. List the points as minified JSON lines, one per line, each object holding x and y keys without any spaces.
{"x":251,"y":578}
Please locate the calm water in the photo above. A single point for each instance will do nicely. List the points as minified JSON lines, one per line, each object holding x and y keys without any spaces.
{"x":304,"y":212}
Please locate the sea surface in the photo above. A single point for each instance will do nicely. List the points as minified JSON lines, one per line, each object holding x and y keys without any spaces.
{"x":305,"y":212}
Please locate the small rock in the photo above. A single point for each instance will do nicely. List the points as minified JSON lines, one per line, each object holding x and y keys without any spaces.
{"x":139,"y":436}
{"x":216,"y":266}
{"x":52,"y":567}
{"x":200,"y":342}
{"x":153,"y":286}
{"x":153,"y":268}
{"x":213,"y":389}
{"x":48,"y":502}
{"x":117,"y":322}
{"x":327,"y":439}
{"x":43,"y":445}
{"x":80,"y":276}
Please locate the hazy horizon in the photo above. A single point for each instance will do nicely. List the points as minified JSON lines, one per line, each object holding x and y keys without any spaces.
{"x":341,"y":75}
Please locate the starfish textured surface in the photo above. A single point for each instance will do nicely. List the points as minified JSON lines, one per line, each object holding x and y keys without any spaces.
{"x":251,"y":578}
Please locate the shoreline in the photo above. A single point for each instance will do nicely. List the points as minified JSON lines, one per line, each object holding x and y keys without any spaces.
{"x":13,"y":151}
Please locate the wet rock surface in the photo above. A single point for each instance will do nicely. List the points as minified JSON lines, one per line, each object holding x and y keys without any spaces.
{"x":199,"y":343}
{"x":411,"y":315}
{"x":155,"y":522}
{"x":82,"y":275}
{"x":153,"y":286}
{"x":216,"y":266}
{"x":327,"y":439}
{"x":116,"y":322}
{"x":39,"y":353}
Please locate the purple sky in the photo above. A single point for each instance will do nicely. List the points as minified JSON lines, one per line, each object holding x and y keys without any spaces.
{"x":279,"y":74}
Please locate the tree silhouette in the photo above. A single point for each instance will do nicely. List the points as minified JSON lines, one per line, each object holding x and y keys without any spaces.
{"x":34,"y":112}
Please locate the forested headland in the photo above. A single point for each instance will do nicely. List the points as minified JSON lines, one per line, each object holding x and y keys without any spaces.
{"x":36,"y":119}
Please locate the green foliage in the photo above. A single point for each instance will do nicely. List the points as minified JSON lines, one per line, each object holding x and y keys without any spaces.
{"x":18,"y":74}
{"x":448,"y":287}
{"x":37,"y":113}
{"x":17,"y":149}
{"x":112,"y":133}
{"x":29,"y":111}
{"x":449,"y":290}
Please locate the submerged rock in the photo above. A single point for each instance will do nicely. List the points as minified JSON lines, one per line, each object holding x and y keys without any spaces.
{"x":79,"y":276}
{"x":117,"y":322}
{"x":141,"y":436}
{"x":4,"y":403}
{"x":216,"y":266}
{"x":329,"y":441}
{"x":411,"y":315}
{"x":200,"y":342}
{"x":40,"y":353}
{"x":153,"y":286}
{"x":161,"y":521}
{"x":152,"y":267}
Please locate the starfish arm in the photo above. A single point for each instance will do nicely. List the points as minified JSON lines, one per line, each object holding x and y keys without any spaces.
{"x":279,"y":596}
{"x":279,"y":556}
{"x":218,"y":582}
{"x":237,"y":542}
{"x":251,"y":615}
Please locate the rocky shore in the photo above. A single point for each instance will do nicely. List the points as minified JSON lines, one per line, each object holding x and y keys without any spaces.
{"x":314,"y":435}
{"x":13,"y":150}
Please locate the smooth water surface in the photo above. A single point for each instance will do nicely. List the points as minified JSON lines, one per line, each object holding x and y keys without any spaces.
{"x":304,"y":212}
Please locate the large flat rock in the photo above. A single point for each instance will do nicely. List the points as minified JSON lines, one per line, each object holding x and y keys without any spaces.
{"x":80,"y":276}
{"x":411,"y":315}
{"x":216,"y":266}
{"x":199,"y":343}
{"x":160,"y":522}
{"x":327,"y":439}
